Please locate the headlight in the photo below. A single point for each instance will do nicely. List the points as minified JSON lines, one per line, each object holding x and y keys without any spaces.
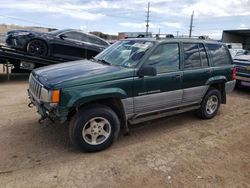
{"x":45,"y":95}
{"x":50,"y":96}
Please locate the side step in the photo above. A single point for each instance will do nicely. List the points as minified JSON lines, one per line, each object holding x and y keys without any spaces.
{"x":162,"y":114}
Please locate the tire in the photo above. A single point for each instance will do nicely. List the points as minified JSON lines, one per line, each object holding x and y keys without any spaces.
{"x":94,"y":128}
{"x":37,"y":48}
{"x":210,"y":104}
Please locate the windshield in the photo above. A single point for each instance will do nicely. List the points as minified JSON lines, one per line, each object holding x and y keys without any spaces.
{"x":57,"y":32}
{"x":124,"y":53}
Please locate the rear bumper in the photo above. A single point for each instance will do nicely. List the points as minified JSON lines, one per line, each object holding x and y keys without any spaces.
{"x":229,"y":86}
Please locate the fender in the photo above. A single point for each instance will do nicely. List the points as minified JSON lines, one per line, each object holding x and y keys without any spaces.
{"x":219,"y":80}
{"x":93,"y":95}
{"x":216,"y":80}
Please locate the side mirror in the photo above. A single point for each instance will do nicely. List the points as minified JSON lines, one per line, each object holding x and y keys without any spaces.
{"x":62,"y":36}
{"x":147,"y":71}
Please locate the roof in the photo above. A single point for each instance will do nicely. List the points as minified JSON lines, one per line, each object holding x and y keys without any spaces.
{"x":242,"y":32}
{"x":174,"y":40}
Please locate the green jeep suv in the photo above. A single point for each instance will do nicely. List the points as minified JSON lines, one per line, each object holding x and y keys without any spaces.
{"x":133,"y":81}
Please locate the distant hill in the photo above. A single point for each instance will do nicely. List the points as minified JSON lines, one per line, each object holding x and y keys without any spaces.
{"x":4,"y":28}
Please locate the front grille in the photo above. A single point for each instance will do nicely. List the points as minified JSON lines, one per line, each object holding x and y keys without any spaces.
{"x":243,"y":70}
{"x":35,"y":87}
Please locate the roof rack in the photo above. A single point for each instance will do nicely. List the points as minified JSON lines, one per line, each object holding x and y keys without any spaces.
{"x":162,"y":36}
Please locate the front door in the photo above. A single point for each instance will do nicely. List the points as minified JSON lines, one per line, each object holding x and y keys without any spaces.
{"x":69,"y":47}
{"x":196,"y":72}
{"x":155,"y":93}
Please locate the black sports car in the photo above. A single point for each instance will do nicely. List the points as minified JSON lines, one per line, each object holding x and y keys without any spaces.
{"x":66,"y":44}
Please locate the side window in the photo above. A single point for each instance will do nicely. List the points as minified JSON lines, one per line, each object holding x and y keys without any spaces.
{"x":219,"y":54}
{"x":73,"y":35}
{"x":165,"y":58}
{"x":97,"y":41}
{"x":85,"y":38}
{"x":191,"y":56}
{"x":203,"y":54}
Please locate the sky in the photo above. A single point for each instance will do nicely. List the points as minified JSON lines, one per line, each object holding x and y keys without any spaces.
{"x":113,"y":16}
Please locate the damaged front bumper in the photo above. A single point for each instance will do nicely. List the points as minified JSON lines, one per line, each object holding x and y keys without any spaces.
{"x":47,"y":110}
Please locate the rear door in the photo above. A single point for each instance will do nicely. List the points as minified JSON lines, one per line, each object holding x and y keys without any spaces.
{"x":163,"y":91}
{"x":196,"y":72}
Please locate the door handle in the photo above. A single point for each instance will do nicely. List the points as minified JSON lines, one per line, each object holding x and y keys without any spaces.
{"x":176,"y":77}
{"x":209,"y":71}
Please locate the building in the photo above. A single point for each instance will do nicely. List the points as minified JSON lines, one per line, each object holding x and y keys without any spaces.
{"x":241,"y":36}
{"x":124,"y":35}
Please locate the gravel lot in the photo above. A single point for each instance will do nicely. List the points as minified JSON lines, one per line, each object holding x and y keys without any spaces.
{"x":179,"y":151}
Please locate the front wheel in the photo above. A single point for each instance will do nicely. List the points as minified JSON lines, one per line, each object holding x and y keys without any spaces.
{"x":210,"y":104}
{"x":94,"y":128}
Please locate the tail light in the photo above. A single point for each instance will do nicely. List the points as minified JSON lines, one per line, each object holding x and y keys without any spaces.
{"x":234,"y":73}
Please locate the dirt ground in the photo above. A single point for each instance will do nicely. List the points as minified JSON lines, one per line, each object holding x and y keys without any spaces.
{"x":178,"y":151}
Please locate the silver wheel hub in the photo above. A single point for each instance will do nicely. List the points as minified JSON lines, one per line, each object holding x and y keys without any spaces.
{"x":212,"y":104}
{"x":96,"y":131}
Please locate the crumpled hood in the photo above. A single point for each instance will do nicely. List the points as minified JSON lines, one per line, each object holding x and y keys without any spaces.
{"x":242,"y":59}
{"x":77,"y":72}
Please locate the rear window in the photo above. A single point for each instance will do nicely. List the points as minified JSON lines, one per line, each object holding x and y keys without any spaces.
{"x":219,"y":54}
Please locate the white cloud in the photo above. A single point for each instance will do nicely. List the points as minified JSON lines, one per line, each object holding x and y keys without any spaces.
{"x":242,"y":26}
{"x":168,"y":15}
{"x":216,"y":8}
{"x":176,"y":25}
{"x":139,"y":26}
{"x":54,"y":7}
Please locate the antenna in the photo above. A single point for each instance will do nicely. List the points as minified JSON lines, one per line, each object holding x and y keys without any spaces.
{"x":147,"y":21}
{"x":191,"y":25}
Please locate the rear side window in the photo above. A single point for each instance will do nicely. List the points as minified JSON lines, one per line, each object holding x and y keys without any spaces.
{"x":191,"y":56}
{"x":97,"y":41}
{"x":219,"y":54}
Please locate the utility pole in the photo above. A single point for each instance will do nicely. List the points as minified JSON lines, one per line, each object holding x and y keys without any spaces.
{"x":177,"y":34}
{"x":147,"y":21}
{"x":191,"y":25}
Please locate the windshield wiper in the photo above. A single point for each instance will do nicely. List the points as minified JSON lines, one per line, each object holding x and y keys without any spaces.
{"x":104,"y":61}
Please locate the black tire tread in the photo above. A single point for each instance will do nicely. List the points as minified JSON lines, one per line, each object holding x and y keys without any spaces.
{"x":88,"y":111}
{"x":201,"y":112}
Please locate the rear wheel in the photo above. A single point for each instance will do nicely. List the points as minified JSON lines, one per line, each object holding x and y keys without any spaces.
{"x":37,"y":47}
{"x":94,"y":128}
{"x":210,"y":104}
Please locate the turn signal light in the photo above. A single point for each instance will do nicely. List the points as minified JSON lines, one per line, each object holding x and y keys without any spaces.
{"x":55,"y":96}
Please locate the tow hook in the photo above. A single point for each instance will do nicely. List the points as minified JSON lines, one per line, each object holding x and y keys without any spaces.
{"x":30,"y":105}
{"x":40,"y":121}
